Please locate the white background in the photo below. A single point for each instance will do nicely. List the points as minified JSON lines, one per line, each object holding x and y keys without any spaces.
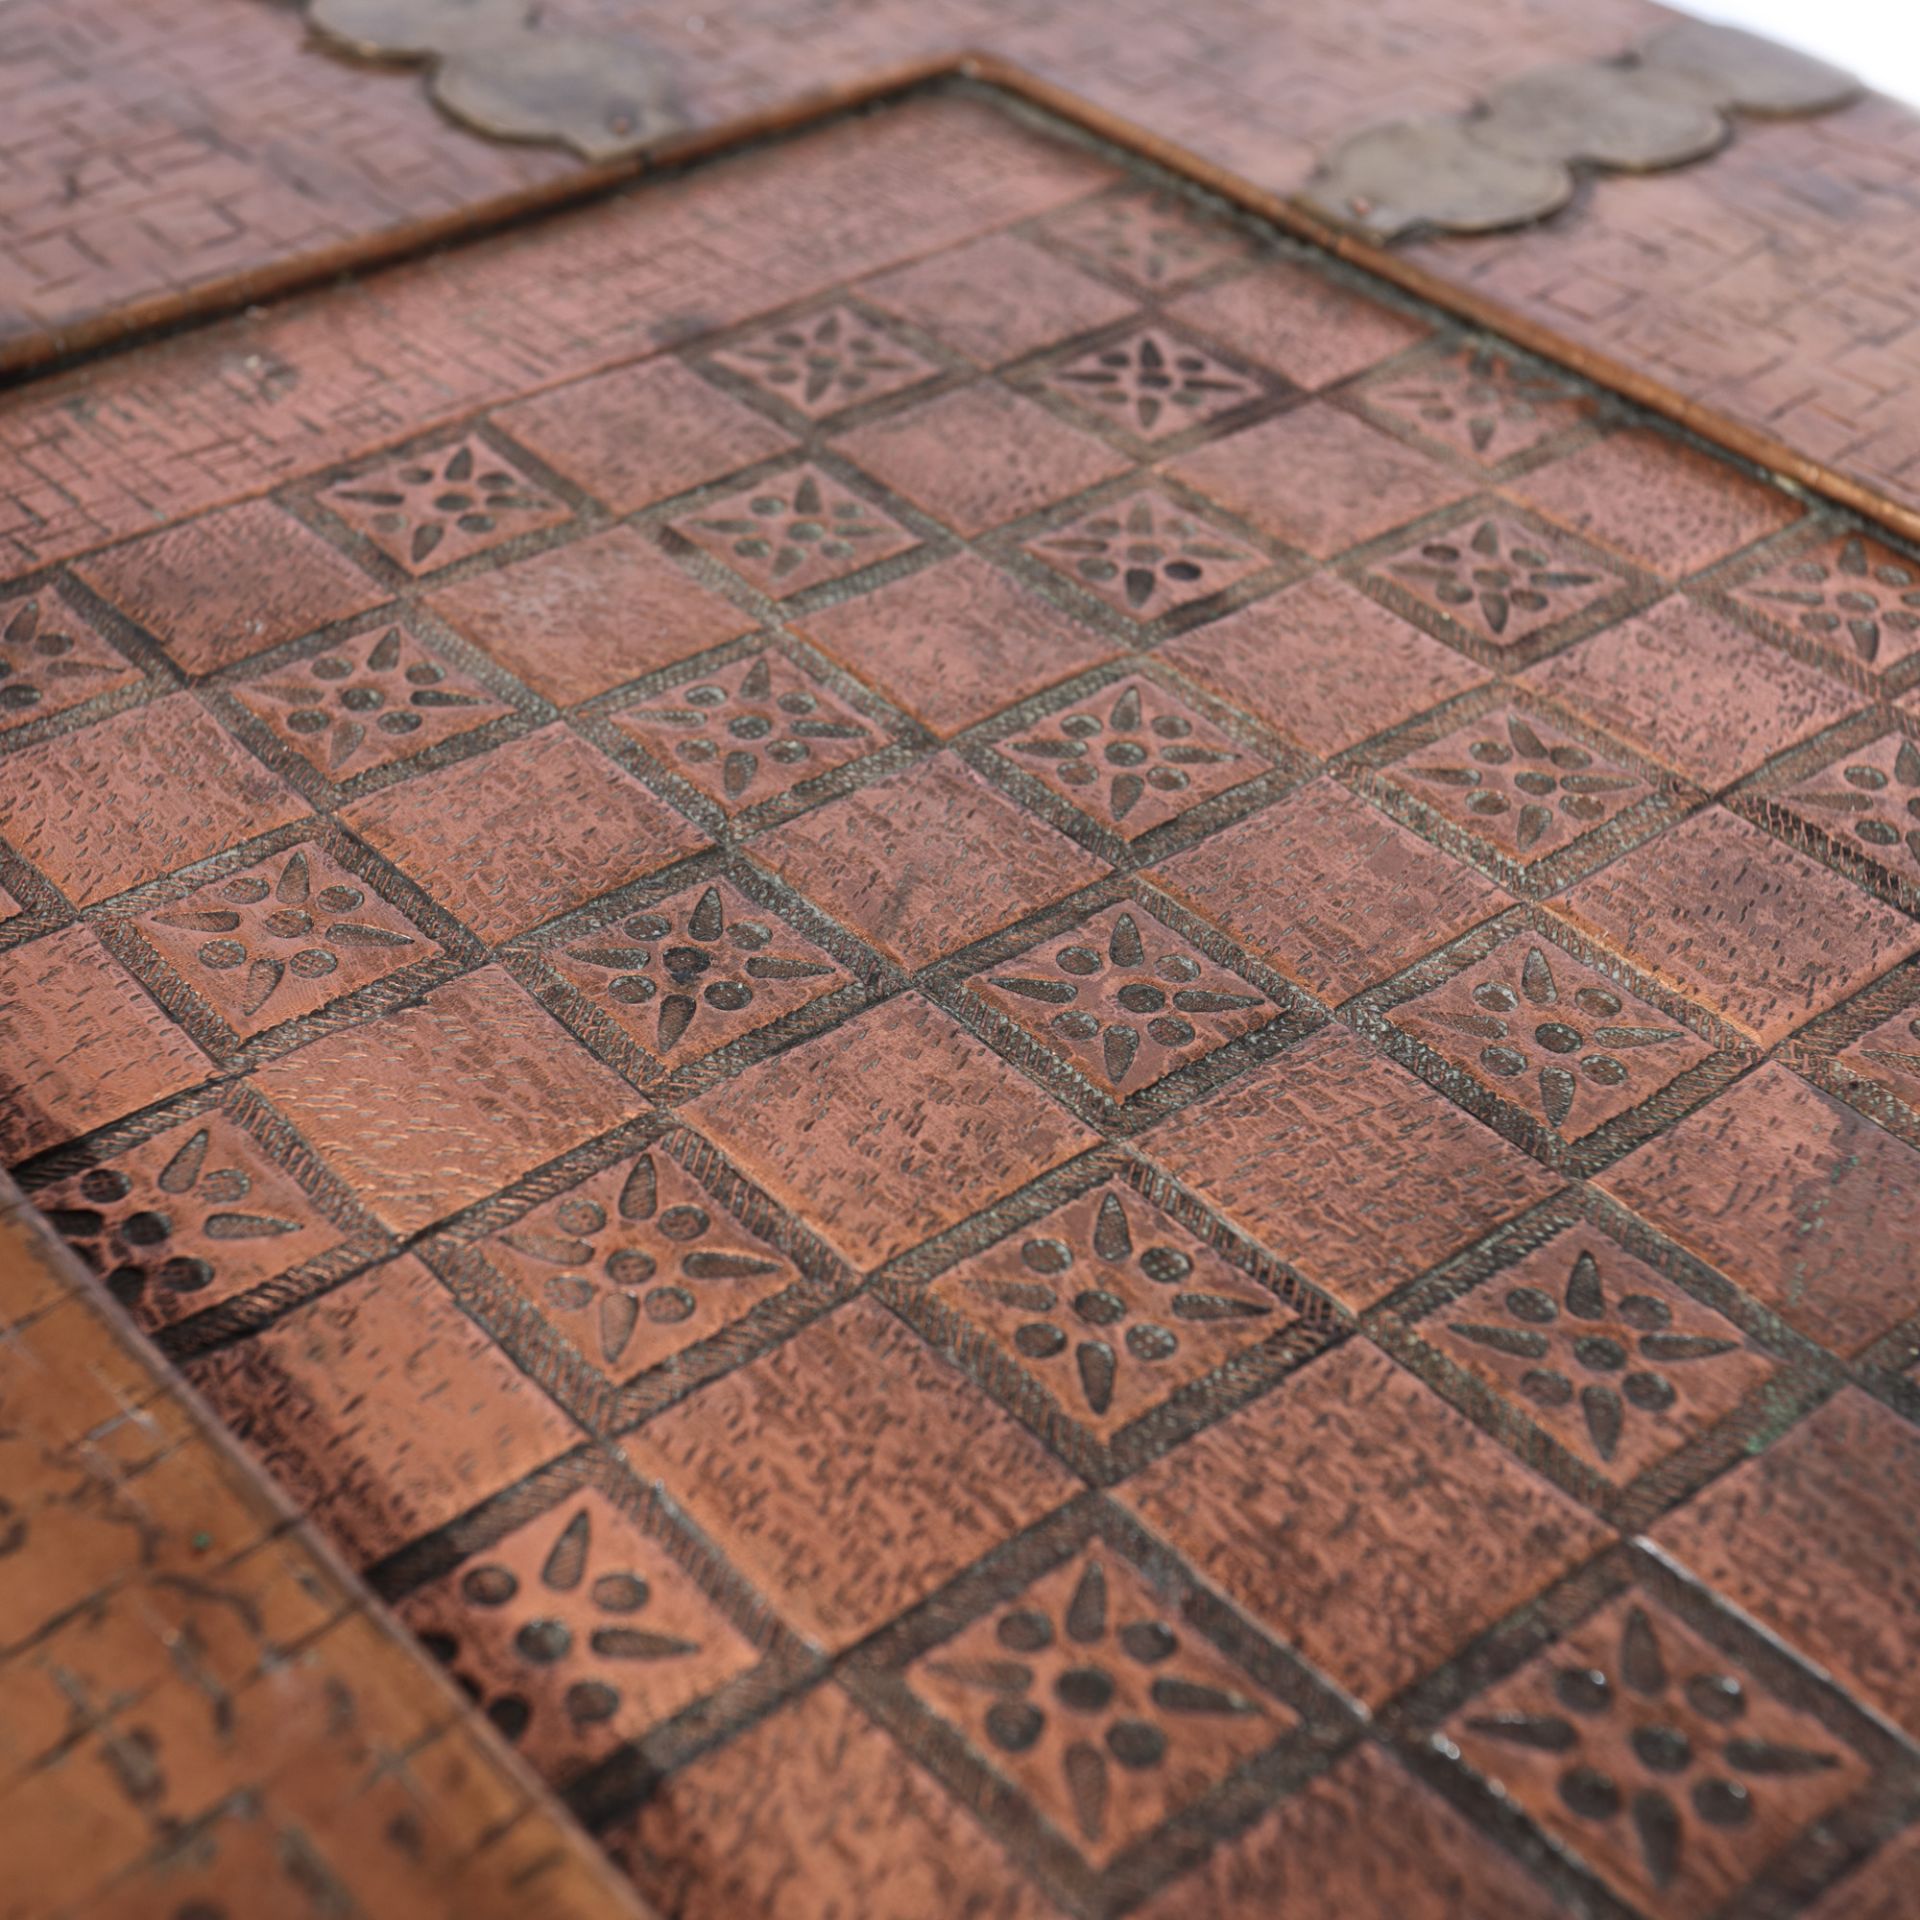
{"x":1877,"y":41}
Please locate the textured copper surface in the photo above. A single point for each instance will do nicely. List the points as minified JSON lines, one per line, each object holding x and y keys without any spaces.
{"x":203,"y":149}
{"x":1011,"y":1154}
{"x":200,"y":1713}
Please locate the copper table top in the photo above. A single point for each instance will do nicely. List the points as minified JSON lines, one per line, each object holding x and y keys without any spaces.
{"x":1044,"y":1067}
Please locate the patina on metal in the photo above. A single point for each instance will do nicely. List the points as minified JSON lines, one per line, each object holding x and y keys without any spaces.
{"x":1663,"y":105}
{"x":497,"y":68}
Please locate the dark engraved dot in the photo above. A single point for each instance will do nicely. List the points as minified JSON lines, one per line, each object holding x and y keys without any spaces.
{"x":1718,"y":1697}
{"x":1557,"y":1037}
{"x":1098,"y":1307}
{"x":127,"y":1284}
{"x":1598,"y":1354}
{"x":1722,"y":1803}
{"x":443,"y":1646}
{"x":329,"y":666}
{"x":577,"y":1214}
{"x":1040,"y":1340}
{"x":105,"y":1184}
{"x":590,"y":1702}
{"x":1082,"y":960}
{"x":1046,"y":1255}
{"x":1533,"y":1305}
{"x":489,"y":1586}
{"x":1149,"y":1642}
{"x":544,"y":1641}
{"x":1135,"y":1744}
{"x":1494,"y":997}
{"x":1649,"y":1392}
{"x":313,"y":963}
{"x":1646,"y":1313}
{"x":220,"y":955}
{"x":1085,"y":1689}
{"x":668,"y":1306}
{"x":629,"y":1267}
{"x":632,"y":990}
{"x":1590,"y":1793}
{"x":511,"y":1714}
{"x":619,"y":1593}
{"x":1546,"y":1389}
{"x":1075,"y":1025}
{"x":1584,"y":1689}
{"x":1506,"y":1062}
{"x":730,"y":996}
{"x":1663,"y":1749}
{"x":1148,"y":1342}
{"x":1014,"y":1725}
{"x":1139,"y":997}
{"x":246,"y":890}
{"x":685,"y":1222}
{"x":146,"y":1229}
{"x":569,"y":1292}
{"x":1170,"y":1030}
{"x":182,"y":1275}
{"x":1165,"y":1266}
{"x":1025,"y":1631}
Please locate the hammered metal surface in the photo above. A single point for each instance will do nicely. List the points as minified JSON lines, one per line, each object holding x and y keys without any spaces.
{"x":1015,"y":1165}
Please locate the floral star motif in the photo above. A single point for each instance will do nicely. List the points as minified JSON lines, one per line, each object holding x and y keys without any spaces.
{"x":751,"y":731}
{"x":1646,"y":1750}
{"x":286,"y":936}
{"x":1478,"y":400}
{"x":1112,"y":1305}
{"x":697,"y":970}
{"x":1875,"y":801}
{"x":366,"y":703}
{"x":575,"y":1632}
{"x":794,"y":531}
{"x":1108,"y":1710}
{"x":1123,"y":999}
{"x":1147,"y":555}
{"x":430,"y":509}
{"x":1501,"y":579}
{"x":1611,"y":1355}
{"x":190,"y":1217}
{"x":1554,"y":1035}
{"x":1154,"y":382}
{"x":1850,"y":593}
{"x":637,"y":1264}
{"x":1524,"y":785}
{"x":49,"y":660}
{"x":1133,"y":756}
{"x":823,"y":362}
{"x":1148,"y":236}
